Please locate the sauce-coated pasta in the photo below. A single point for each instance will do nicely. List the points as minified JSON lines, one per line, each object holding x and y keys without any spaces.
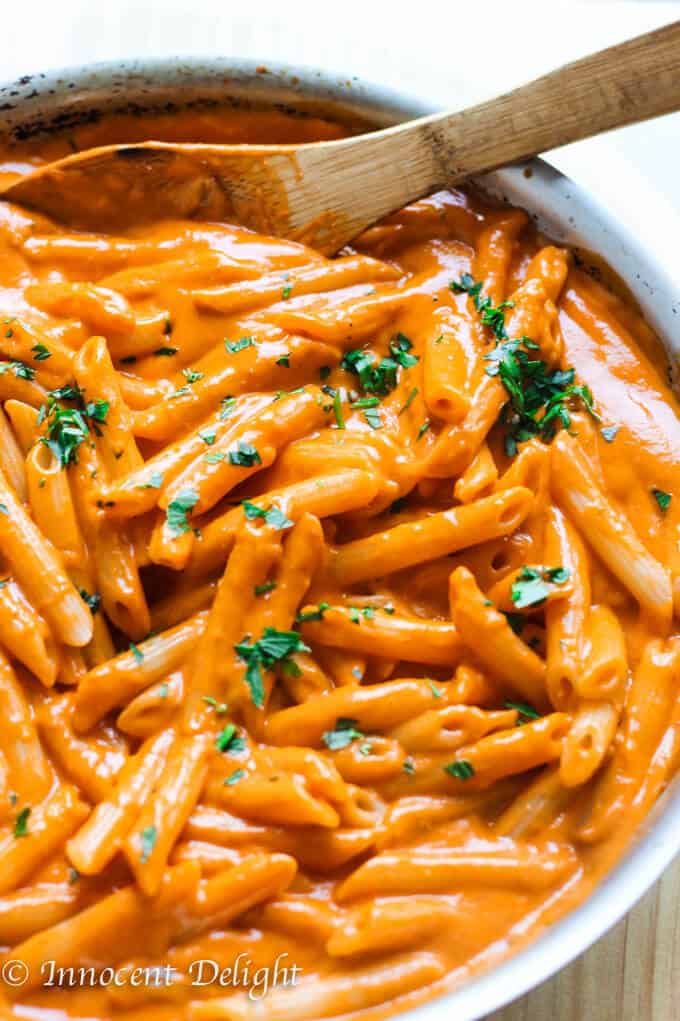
{"x":338,"y":601}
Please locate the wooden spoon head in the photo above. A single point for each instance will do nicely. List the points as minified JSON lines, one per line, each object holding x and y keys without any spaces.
{"x":271,"y":189}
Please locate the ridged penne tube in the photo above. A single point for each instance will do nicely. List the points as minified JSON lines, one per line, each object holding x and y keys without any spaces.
{"x":253,"y":368}
{"x":295,"y":914}
{"x":605,"y":671}
{"x":96,"y":375}
{"x":237,"y":298}
{"x":333,"y":320}
{"x":370,"y":762}
{"x":102,"y":835}
{"x":376,"y":633}
{"x":25,"y":635}
{"x":29,"y":769}
{"x":451,"y":727}
{"x":329,"y":849}
{"x":649,"y":701}
{"x":224,"y":466}
{"x":93,"y":764}
{"x":115,"y":566}
{"x":328,"y":997}
{"x":93,"y":935}
{"x":51,"y":503}
{"x":589,"y":739}
{"x":100,"y":308}
{"x":11,"y":458}
{"x":183,"y":602}
{"x":501,"y":863}
{"x":535,"y":807}
{"x":495,"y":247}
{"x":234,"y":891}
{"x":48,"y":825}
{"x":608,"y":530}
{"x":162,"y":818}
{"x":325,"y":495}
{"x":137,"y":492}
{"x":391,"y":925}
{"x":487,"y":633}
{"x":566,"y":619}
{"x":214,"y":670}
{"x":479,"y":477}
{"x":118,"y":680}
{"x":153,"y":709}
{"x":451,"y":355}
{"x":379,"y":706}
{"x":508,"y":752}
{"x":39,"y":570}
{"x":24,"y":419}
{"x":303,"y":552}
{"x":429,"y":538}
{"x":260,"y":799}
{"x":33,"y":908}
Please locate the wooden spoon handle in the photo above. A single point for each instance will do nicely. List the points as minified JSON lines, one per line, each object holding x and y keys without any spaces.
{"x":621,"y":85}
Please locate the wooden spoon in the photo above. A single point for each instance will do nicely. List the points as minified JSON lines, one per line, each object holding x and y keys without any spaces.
{"x":326,"y":193}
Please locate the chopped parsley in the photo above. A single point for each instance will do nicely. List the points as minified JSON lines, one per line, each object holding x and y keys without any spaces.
{"x":337,"y":410}
{"x":461,"y":769}
{"x":68,"y":427}
{"x":400,"y":346}
{"x":137,"y":653}
{"x":342,"y":734}
{"x":539,"y":399}
{"x":526,"y":713}
{"x":423,"y":429}
{"x":93,"y":600}
{"x":271,"y":649}
{"x":148,"y":837}
{"x":409,"y":766}
{"x":40,"y":352}
{"x":609,"y":432}
{"x":303,"y":618}
{"x":219,"y":707}
{"x":155,"y":482}
{"x":176,"y":514}
{"x":234,"y":777}
{"x":531,"y":589}
{"x":409,"y":400}
{"x":227,"y":405}
{"x":216,"y":458}
{"x":191,"y":376}
{"x":274,"y":517}
{"x":380,"y":378}
{"x":208,"y":436}
{"x":287,"y":291}
{"x":262,"y":590}
{"x":233,"y":346}
{"x":225,"y":739}
{"x":372,"y":416}
{"x":284,"y":360}
{"x":245,"y":455}
{"x":21,"y":823}
{"x":663,"y":499}
{"x":165,"y":352}
{"x":20,"y":369}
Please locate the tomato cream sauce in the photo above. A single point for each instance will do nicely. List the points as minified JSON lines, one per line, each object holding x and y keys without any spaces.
{"x":387,"y":876}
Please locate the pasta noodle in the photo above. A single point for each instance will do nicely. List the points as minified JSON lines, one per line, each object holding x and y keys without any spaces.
{"x":338,"y":600}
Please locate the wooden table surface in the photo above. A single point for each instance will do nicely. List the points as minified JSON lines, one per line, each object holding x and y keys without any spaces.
{"x":631,"y":974}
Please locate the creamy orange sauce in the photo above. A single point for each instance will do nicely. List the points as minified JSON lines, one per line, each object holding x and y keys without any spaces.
{"x":452,"y":759}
